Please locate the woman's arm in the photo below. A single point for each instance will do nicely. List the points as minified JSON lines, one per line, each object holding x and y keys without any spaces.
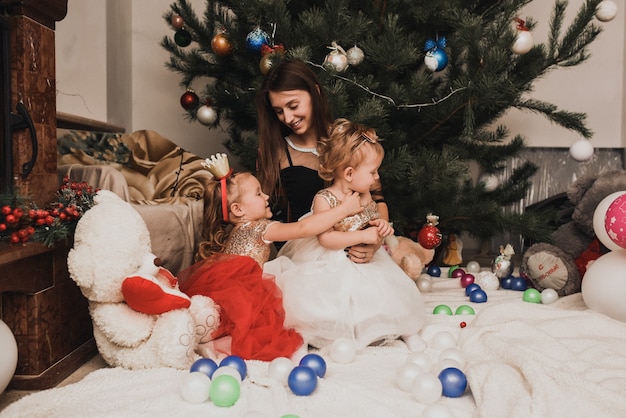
{"x":316,"y":223}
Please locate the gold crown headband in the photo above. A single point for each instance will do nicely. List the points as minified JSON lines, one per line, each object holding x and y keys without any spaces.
{"x":218,"y":165}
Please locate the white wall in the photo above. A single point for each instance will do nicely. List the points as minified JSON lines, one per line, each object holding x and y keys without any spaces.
{"x":110,"y":67}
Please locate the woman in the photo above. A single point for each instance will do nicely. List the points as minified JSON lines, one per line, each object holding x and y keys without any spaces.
{"x":293,"y":114}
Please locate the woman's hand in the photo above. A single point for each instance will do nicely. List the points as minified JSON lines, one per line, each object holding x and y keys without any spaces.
{"x":363,"y":253}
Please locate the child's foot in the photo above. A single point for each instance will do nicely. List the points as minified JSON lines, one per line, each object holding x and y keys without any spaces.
{"x":415,"y":343}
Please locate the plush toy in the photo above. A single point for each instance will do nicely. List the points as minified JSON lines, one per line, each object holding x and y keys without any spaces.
{"x":408,"y":254}
{"x":561,"y":264}
{"x":140,"y":318}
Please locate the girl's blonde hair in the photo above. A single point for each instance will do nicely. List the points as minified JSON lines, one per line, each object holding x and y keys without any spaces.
{"x":346,"y":146}
{"x":215,"y":230}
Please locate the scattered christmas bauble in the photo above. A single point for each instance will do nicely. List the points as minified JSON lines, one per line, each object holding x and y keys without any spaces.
{"x":453,"y":382}
{"x":236,"y":362}
{"x":457,"y":273}
{"x":442,"y":340}
{"x":225,"y":391}
{"x":507,"y":282}
{"x":189,"y":100}
{"x":406,"y":374}
{"x":523,"y":42}
{"x":434,"y":270}
{"x":279,"y":369}
{"x":464,"y":310}
{"x":436,"y":60}
{"x":487,"y":280}
{"x":427,"y":388}
{"x":221,"y":45}
{"x":195,"y":387}
{"x":478,"y":296}
{"x":615,"y":221}
{"x":355,"y":55}
{"x":343,"y":350}
{"x":228,"y":371}
{"x":182,"y":37}
{"x":8,"y":362}
{"x":470,"y":288}
{"x":467,"y":279}
{"x":519,"y":283}
{"x":177,"y":21}
{"x":256,"y":39}
{"x":606,"y":11}
{"x":603,"y":287}
{"x":424,"y":284}
{"x":204,"y":365}
{"x":455,"y":354}
{"x":429,"y":237}
{"x":531,"y":296}
{"x":336,"y":61}
{"x":581,"y":150}
{"x":206,"y":115}
{"x":442,"y":310}
{"x":302,"y":380}
{"x":315,"y":362}
{"x":472,"y":267}
{"x":549,"y":296}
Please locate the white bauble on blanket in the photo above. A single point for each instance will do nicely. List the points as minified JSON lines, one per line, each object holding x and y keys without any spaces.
{"x":8,"y":360}
{"x":604,"y":285}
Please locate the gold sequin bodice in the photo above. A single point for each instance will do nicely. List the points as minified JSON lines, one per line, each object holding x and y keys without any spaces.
{"x":354,"y":222}
{"x":247,"y":239}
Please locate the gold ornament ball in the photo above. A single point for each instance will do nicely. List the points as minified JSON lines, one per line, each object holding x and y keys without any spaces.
{"x":221,"y":45}
{"x":269,"y":61}
{"x":206,"y":115}
{"x":177,"y":21}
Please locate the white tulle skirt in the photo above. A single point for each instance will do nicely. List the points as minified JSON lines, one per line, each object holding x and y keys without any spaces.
{"x":326,"y":296}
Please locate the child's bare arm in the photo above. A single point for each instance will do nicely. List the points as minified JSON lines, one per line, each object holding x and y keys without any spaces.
{"x":316,"y":223}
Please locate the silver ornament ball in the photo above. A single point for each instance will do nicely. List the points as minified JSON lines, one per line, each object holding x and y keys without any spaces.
{"x":206,"y":115}
{"x":355,"y":55}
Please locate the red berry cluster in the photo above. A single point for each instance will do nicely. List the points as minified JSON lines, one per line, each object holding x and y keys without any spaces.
{"x":19,"y":222}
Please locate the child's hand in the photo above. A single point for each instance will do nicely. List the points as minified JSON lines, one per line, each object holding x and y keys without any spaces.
{"x":352,"y":203}
{"x":371,"y":235}
{"x":383,"y":227}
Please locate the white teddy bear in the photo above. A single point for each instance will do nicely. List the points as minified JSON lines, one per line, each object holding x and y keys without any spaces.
{"x":112,"y":263}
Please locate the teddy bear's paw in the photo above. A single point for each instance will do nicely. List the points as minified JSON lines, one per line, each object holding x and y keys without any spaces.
{"x":121,"y":324}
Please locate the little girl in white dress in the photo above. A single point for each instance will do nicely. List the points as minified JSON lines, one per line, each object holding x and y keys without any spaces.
{"x":326,"y":296}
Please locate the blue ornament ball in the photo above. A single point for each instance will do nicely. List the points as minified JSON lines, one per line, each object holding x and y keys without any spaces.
{"x":302,"y":380}
{"x":256,"y":39}
{"x":453,"y":382}
{"x":236,"y":362}
{"x":519,"y":283}
{"x":436,"y":59}
{"x":478,"y":296}
{"x":315,"y":362}
{"x":434,"y":270}
{"x":507,"y":282}
{"x":204,"y":365}
{"x":470,"y":288}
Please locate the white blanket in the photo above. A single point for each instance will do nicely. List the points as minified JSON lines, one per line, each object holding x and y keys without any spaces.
{"x":522,"y":360}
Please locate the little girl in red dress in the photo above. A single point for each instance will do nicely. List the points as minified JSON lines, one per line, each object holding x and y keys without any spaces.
{"x":238,"y":233}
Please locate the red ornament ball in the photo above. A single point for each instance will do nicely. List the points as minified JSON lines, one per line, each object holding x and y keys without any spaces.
{"x":177,"y":21}
{"x":189,"y":100}
{"x":463,"y":324}
{"x":429,"y":237}
{"x":221,"y":45}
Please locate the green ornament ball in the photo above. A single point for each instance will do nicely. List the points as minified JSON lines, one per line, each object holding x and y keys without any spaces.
{"x":464,"y":310}
{"x":442,"y":310}
{"x":225,"y":390}
{"x":531,"y":296}
{"x":182,"y":38}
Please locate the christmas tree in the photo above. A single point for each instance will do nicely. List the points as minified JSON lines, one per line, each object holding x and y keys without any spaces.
{"x":432,"y":78}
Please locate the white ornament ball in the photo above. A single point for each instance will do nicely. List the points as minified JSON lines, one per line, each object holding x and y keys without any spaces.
{"x":606,"y":11}
{"x":227,"y":370}
{"x":549,"y":296}
{"x":206,"y":115}
{"x":406,"y":374}
{"x":427,"y":388}
{"x":523,"y":42}
{"x":581,"y":150}
{"x":490,"y":181}
{"x":603,"y":287}
{"x":195,"y":387}
{"x":472,"y":267}
{"x":279,"y":369}
{"x":343,"y":350}
{"x":487,"y":280}
{"x":425,"y":285}
{"x":336,"y":61}
{"x":599,"y":216}
{"x":355,"y":55}
{"x":453,"y":353}
{"x":422,"y":359}
{"x":443,"y":340}
{"x":8,"y":360}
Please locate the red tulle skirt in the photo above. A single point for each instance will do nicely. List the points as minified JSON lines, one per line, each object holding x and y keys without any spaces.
{"x":251,"y":305}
